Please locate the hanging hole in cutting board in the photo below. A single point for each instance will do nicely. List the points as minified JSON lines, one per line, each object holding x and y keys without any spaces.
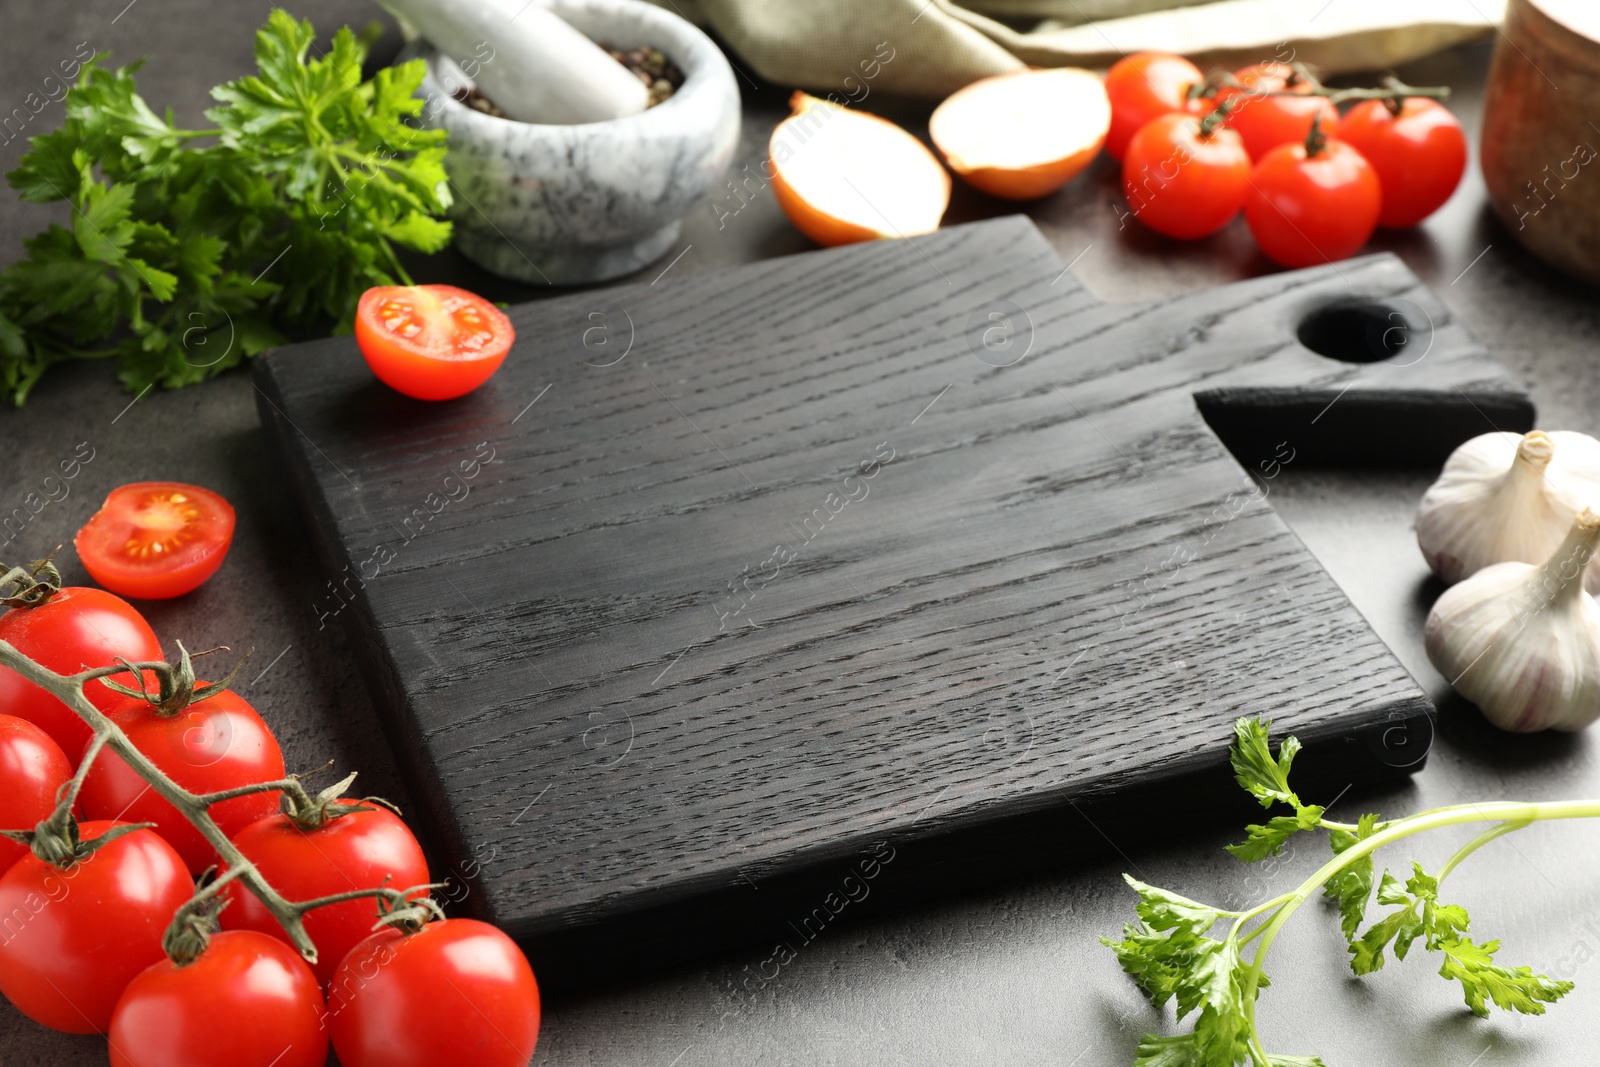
{"x":1368,"y":331}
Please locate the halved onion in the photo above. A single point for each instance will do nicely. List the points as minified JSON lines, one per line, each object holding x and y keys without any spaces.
{"x":843,"y":176}
{"x":1024,"y":134}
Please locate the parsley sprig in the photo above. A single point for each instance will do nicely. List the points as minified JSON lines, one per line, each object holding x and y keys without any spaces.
{"x":1171,"y":953}
{"x":189,"y":250}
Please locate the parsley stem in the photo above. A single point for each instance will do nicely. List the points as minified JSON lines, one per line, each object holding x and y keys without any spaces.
{"x":1478,"y":842}
{"x":400,"y":271}
{"x":1246,"y":916}
{"x":1516,"y":815}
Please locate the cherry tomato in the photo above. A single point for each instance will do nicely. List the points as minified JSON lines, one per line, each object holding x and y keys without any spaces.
{"x":32,"y":768}
{"x":1144,"y":86}
{"x":154,"y":540}
{"x":1181,"y":183}
{"x":361,"y":850}
{"x":1419,"y":155}
{"x":431,"y":342}
{"x":76,"y":629}
{"x":213,"y":744}
{"x":248,"y":1000}
{"x":457,"y":991}
{"x":74,"y":938}
{"x":1265,"y":122}
{"x":1306,"y":209}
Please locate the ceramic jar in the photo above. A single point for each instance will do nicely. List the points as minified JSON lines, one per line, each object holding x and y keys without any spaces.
{"x":1541,"y":131}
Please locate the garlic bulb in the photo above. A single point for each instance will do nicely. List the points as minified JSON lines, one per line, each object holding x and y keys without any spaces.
{"x":1522,"y":641}
{"x":1504,"y":498}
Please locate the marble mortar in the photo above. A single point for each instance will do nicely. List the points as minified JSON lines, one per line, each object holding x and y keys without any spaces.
{"x":593,"y":201}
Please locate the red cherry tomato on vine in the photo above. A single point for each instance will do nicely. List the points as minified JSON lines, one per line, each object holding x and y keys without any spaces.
{"x":1419,"y":155}
{"x":1181,"y":183}
{"x":1144,"y":86}
{"x":431,"y":342}
{"x":76,"y":629}
{"x":155,"y":540}
{"x":213,"y":744}
{"x":457,"y":991}
{"x":362,"y":850}
{"x":75,"y":938}
{"x":32,"y":768}
{"x":1308,"y":209}
{"x":248,"y":1000}
{"x":1265,"y":122}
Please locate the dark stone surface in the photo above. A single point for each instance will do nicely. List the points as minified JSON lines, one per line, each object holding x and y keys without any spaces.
{"x":1010,"y":975}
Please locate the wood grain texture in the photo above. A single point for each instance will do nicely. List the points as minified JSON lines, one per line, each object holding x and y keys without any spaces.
{"x":800,"y":571}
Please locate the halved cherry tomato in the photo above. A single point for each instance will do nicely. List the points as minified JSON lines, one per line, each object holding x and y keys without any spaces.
{"x":355,"y":850}
{"x":1144,"y":86}
{"x":1182,"y":182}
{"x":154,"y":540}
{"x":1313,"y":205}
{"x":1265,"y":122}
{"x":76,"y":629}
{"x":1419,"y":154}
{"x":75,"y":937}
{"x":248,"y":1000}
{"x":456,"y":991}
{"x":213,"y":744}
{"x":32,"y":768}
{"x":431,"y":342}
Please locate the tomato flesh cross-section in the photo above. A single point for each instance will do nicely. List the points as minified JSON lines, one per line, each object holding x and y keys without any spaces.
{"x":431,"y":342}
{"x":155,"y":540}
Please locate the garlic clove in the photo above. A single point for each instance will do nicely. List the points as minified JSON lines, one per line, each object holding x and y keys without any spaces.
{"x":1507,"y":498}
{"x":1522,"y":642}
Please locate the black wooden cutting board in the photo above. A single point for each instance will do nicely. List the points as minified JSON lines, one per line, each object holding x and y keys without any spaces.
{"x":723,"y":580}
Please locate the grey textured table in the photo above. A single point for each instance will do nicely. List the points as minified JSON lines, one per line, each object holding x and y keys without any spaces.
{"x":1012,"y":975}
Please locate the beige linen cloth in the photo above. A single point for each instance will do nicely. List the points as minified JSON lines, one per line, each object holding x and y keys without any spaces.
{"x":940,"y":45}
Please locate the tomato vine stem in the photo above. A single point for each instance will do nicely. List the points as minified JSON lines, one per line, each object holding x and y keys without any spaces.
{"x":55,"y":838}
{"x":1393,"y":91}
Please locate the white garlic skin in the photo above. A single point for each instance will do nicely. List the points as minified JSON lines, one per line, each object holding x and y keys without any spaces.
{"x":1522,"y":642}
{"x":1506,"y":497}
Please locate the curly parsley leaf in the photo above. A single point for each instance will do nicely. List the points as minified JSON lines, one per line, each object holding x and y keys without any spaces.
{"x":50,"y":171}
{"x":1169,"y":956}
{"x":1399,"y":928}
{"x":119,"y":130}
{"x":1264,"y":777}
{"x":1168,"y":1052}
{"x":1420,"y":915}
{"x":335,"y":145}
{"x":1266,"y":840}
{"x":1482,"y":980}
{"x":1172,"y":957}
{"x":1352,"y":885}
{"x":187,"y":251}
{"x":1204,"y":976}
{"x":1162,"y":909}
{"x":1443,"y":928}
{"x":1160,"y":950}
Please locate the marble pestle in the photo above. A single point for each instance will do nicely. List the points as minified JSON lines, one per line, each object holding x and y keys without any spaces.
{"x":527,"y":59}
